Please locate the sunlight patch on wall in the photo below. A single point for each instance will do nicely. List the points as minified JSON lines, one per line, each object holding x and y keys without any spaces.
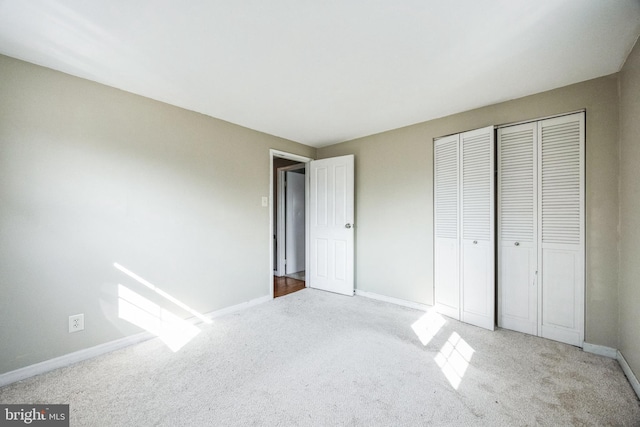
{"x":427,"y":326}
{"x":453,"y":359}
{"x":162,"y":293}
{"x":171,"y":329}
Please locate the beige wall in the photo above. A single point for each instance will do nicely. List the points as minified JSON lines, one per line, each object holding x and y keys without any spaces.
{"x":630,"y":210}
{"x":394,"y":180}
{"x":91,"y":175}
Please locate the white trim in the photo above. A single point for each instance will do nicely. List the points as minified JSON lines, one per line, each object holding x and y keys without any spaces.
{"x":506,"y":125}
{"x":238,"y":307}
{"x":600,"y":350}
{"x":290,"y":156}
{"x":281,"y":223}
{"x":281,"y":234}
{"x":397,"y":301}
{"x":71,"y":358}
{"x":108,"y":347}
{"x":282,"y":154}
{"x":307,"y":223}
{"x":629,"y":373}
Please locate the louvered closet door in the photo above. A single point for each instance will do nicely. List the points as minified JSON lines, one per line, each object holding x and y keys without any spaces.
{"x":561,"y":222}
{"x":477,"y":228}
{"x":446,"y":211}
{"x":517,"y":228}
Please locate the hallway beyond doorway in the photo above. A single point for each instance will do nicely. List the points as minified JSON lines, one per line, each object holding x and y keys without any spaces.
{"x":286,"y":285}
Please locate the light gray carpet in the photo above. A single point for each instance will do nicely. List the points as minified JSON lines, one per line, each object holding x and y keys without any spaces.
{"x":315,"y":358}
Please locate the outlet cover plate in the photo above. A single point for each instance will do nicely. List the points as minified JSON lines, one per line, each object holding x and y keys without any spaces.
{"x":76,"y":323}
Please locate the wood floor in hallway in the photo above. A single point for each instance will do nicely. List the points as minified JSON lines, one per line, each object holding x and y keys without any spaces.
{"x":286,"y":285}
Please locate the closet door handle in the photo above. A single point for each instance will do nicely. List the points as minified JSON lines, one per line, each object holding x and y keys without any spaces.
{"x":517,"y":243}
{"x":475,"y":242}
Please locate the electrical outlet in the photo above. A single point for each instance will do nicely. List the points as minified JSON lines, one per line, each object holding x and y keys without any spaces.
{"x":76,"y":323}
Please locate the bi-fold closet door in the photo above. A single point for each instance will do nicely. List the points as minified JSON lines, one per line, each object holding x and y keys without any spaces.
{"x":464,"y":226}
{"x":541,"y":228}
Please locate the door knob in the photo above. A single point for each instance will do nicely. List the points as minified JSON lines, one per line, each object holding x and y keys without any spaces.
{"x":347,"y":225}
{"x":517,"y":243}
{"x":475,"y":242}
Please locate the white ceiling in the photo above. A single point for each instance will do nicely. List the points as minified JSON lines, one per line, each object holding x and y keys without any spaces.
{"x":325,"y":71}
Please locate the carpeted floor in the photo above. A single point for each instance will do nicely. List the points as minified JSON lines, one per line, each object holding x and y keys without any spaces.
{"x":315,"y":358}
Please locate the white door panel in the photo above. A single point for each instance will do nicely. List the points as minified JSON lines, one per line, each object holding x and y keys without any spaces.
{"x":331,"y":232}
{"x":562,"y":310}
{"x":558,"y":269}
{"x":518,"y":302}
{"x":447,"y":295}
{"x":478,"y":284}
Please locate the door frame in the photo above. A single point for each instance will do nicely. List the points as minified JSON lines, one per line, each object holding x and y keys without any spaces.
{"x":282,"y":220}
{"x":302,"y":159}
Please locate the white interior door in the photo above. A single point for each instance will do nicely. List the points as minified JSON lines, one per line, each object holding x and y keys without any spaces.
{"x":561,"y":224}
{"x":446,"y":216}
{"x":331,"y":228}
{"x":517,"y":228}
{"x":295,"y":224}
{"x":477,"y":215}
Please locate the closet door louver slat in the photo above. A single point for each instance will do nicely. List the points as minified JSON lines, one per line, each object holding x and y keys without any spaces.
{"x":517,"y":190}
{"x":446,"y":176}
{"x":477,"y":182}
{"x":561,"y":189}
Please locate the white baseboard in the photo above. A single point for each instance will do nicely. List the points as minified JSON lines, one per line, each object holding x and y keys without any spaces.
{"x":397,"y":301}
{"x":238,"y":307}
{"x":71,"y":358}
{"x":633,"y":380}
{"x":600,"y":350}
{"x":98,"y":350}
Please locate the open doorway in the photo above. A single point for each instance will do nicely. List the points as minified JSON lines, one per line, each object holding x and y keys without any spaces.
{"x":289,"y":223}
{"x":290,"y":228}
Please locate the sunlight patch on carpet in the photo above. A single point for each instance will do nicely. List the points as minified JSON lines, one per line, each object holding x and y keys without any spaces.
{"x":453,"y":359}
{"x":427,"y":326}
